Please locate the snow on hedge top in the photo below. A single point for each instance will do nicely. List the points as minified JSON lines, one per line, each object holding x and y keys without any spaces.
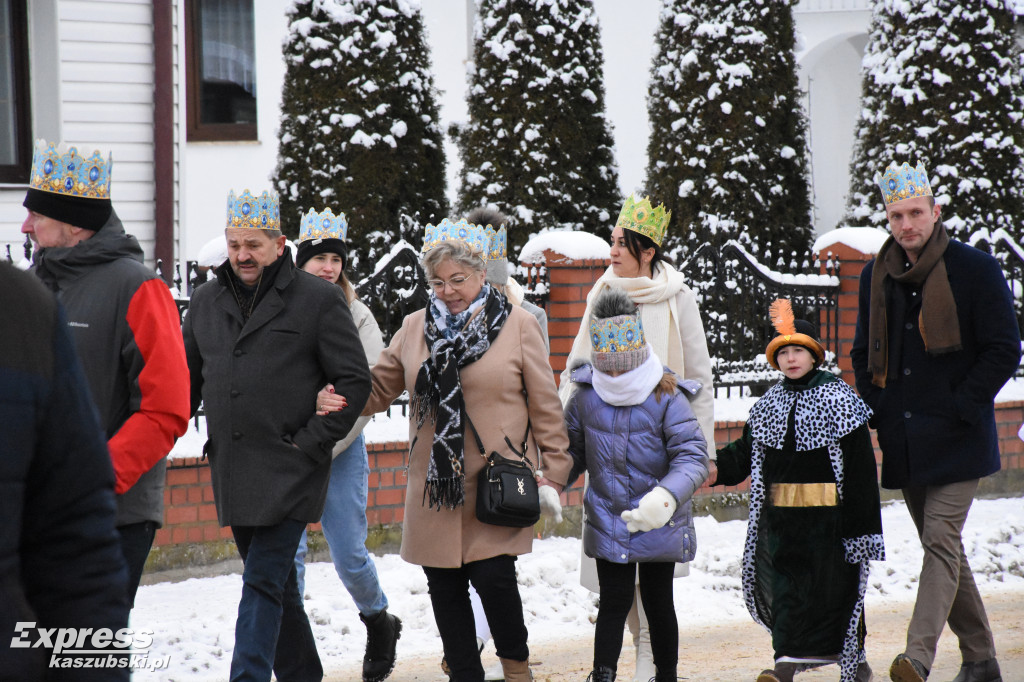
{"x":867,"y":240}
{"x":569,"y":243}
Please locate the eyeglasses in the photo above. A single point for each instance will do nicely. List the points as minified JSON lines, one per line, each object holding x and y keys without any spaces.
{"x":456,"y":283}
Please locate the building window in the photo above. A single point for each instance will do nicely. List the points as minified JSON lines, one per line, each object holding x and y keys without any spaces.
{"x":221,"y":57}
{"x":15,"y":115}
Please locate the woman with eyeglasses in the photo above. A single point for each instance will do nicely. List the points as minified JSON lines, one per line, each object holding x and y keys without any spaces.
{"x":672,"y":325}
{"x":470,"y":361}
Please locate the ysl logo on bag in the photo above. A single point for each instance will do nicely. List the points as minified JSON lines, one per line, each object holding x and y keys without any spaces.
{"x":519,"y":482}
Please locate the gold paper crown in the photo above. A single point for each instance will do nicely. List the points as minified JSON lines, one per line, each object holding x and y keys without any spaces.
{"x":67,"y":172}
{"x":903,"y":182}
{"x":641,"y":217}
{"x":497,"y":243}
{"x":323,"y":225}
{"x":257,"y":213}
{"x":463,"y":231}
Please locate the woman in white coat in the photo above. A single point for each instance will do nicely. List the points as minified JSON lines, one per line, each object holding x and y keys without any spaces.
{"x":322,"y":253}
{"x":672,"y":325}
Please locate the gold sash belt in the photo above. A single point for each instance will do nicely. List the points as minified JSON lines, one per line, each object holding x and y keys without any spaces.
{"x":804,"y":495}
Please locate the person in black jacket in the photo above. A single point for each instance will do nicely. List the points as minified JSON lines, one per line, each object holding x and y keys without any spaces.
{"x":936,"y":339}
{"x":60,"y":560}
{"x":261,"y":339}
{"x":126,"y":330}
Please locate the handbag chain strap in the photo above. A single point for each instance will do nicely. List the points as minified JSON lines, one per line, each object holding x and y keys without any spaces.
{"x":483,"y":451}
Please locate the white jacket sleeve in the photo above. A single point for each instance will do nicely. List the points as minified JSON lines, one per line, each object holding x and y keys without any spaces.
{"x":373,"y":343}
{"x":697,"y":364}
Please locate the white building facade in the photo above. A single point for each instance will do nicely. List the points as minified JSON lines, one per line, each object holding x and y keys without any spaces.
{"x":121,"y":75}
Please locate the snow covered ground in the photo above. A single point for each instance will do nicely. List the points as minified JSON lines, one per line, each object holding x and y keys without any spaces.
{"x":193,"y":620}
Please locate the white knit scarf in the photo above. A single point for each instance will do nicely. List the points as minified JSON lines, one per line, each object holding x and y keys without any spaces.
{"x":632,"y":387}
{"x":659,"y":314}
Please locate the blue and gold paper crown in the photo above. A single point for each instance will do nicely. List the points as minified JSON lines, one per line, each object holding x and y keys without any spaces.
{"x":617,"y":334}
{"x":323,"y":225}
{"x":257,"y":213}
{"x":497,"y":243}
{"x":641,"y":217}
{"x":68,"y":172}
{"x":463,"y":231}
{"x":903,"y":182}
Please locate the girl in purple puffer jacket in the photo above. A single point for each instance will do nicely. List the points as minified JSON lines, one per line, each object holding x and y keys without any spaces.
{"x":632,"y":429}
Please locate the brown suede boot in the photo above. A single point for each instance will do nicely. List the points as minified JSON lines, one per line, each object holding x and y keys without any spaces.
{"x":516,"y":671}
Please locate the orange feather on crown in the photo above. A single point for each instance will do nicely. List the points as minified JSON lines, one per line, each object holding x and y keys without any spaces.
{"x":781,"y":314}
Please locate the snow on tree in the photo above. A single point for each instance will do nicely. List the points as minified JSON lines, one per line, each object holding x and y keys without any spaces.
{"x":941,"y":84}
{"x":537,"y":145}
{"x":360,"y":128}
{"x":727,"y":152}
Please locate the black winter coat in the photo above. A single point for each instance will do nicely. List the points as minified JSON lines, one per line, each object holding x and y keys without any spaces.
{"x":936,"y":416}
{"x":270,"y":454}
{"x":60,"y":554}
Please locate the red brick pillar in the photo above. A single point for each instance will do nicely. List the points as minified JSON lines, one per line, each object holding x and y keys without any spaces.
{"x":569,"y":283}
{"x":851,"y":263}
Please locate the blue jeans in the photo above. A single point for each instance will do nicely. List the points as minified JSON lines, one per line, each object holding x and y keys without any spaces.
{"x":272,"y":631}
{"x":344,"y":526}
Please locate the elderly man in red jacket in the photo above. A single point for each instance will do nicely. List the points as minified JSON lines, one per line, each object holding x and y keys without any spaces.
{"x":125,"y":327}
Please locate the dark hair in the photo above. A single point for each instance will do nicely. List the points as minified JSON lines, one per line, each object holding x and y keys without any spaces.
{"x":636,"y":242}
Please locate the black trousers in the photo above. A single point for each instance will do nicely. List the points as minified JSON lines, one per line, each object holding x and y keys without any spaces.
{"x":136,"y":541}
{"x":495,"y":582}
{"x":618,"y":587}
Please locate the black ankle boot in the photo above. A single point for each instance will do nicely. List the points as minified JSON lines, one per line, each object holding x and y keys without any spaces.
{"x":601,"y":674}
{"x":382,"y":633}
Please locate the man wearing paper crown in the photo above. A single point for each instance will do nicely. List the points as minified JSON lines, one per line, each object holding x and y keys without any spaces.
{"x":936,"y":340}
{"x":261,"y":339}
{"x":672,"y":323}
{"x":125,"y":326}
{"x":815,"y":518}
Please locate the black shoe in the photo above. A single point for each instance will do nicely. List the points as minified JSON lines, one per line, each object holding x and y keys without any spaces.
{"x":382,"y":633}
{"x":979,"y":671}
{"x":907,"y":669}
{"x":601,"y":674}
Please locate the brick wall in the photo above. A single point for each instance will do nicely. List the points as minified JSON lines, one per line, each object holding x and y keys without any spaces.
{"x":191,"y":519}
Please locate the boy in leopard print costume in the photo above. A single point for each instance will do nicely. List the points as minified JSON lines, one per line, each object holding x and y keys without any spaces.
{"x":815,"y":519}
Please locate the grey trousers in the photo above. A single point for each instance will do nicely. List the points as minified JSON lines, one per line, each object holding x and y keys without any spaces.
{"x":947,"y":591}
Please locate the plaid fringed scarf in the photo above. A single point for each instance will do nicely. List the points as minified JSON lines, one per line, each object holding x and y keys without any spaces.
{"x":438,"y":392}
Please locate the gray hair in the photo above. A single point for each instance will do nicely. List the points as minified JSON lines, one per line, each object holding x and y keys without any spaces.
{"x":458,"y":252}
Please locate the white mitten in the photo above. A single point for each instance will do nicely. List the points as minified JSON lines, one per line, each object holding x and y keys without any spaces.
{"x":654,"y":511}
{"x":550,"y":505}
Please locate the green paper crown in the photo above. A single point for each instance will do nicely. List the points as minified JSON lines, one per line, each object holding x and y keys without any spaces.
{"x":641,"y":217}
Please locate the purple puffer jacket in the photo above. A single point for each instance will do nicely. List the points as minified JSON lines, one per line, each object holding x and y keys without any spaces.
{"x":628,"y":451}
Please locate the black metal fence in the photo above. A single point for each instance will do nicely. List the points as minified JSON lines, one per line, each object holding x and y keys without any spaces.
{"x":1010,"y":255}
{"x":734,"y":291}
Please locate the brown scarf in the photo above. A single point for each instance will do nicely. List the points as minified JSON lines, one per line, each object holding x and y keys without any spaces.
{"x":939,"y":325}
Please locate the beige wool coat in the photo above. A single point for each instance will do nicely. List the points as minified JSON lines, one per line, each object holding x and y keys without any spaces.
{"x":495,"y":389}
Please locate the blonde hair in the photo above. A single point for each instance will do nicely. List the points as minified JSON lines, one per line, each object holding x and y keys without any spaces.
{"x":667,"y":386}
{"x":346,"y":286}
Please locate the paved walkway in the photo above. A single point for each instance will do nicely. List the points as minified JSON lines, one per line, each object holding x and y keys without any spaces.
{"x":739,"y":651}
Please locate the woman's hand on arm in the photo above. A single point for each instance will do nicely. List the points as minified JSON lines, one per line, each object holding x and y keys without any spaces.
{"x":327,"y":401}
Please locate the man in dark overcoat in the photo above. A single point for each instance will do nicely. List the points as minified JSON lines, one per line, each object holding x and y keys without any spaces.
{"x":261,"y":339}
{"x":936,"y":339}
